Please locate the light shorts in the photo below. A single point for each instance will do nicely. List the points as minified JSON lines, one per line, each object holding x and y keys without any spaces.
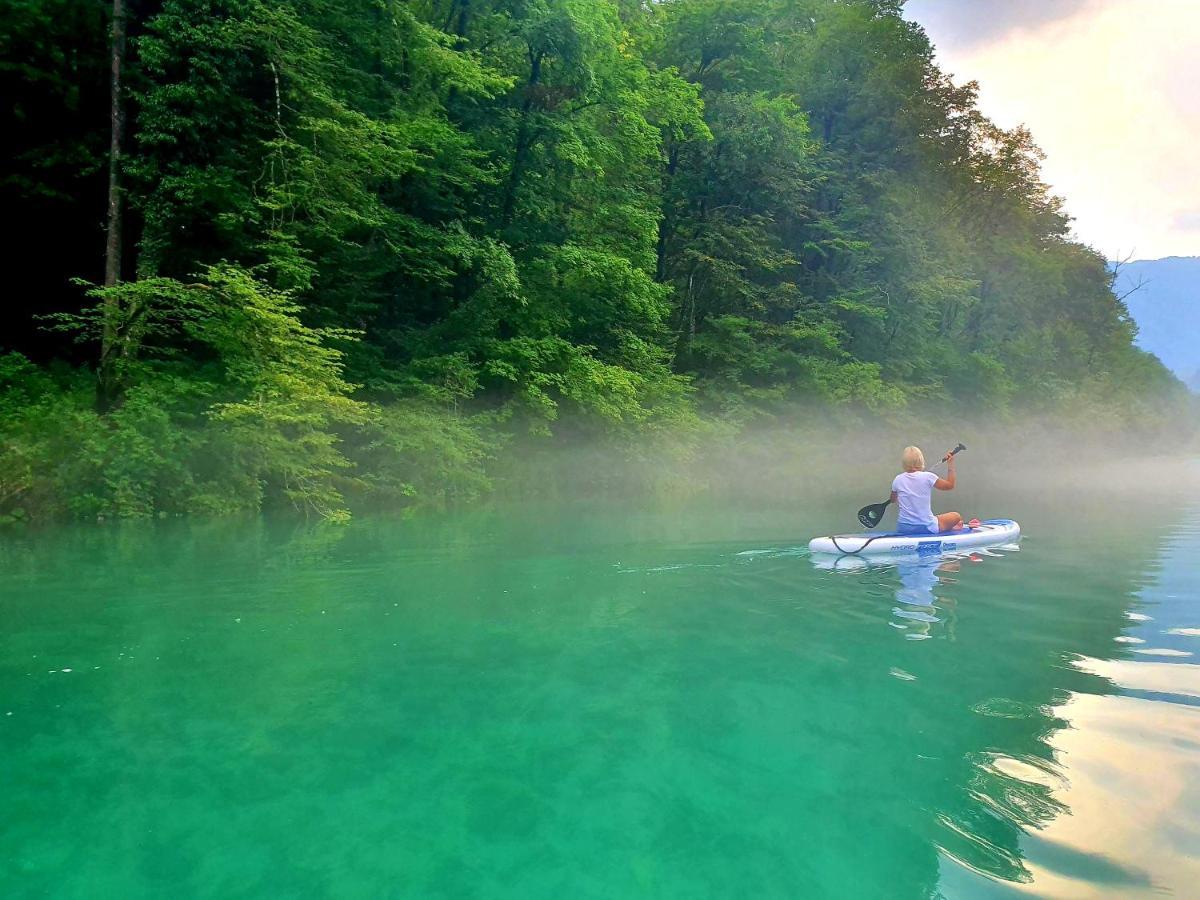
{"x":911,"y":528}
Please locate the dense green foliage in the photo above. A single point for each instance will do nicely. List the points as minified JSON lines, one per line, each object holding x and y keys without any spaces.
{"x":371,"y":244}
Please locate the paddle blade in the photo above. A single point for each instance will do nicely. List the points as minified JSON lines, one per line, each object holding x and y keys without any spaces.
{"x":870,"y":516}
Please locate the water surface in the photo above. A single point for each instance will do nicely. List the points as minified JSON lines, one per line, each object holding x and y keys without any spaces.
{"x":595,"y":700}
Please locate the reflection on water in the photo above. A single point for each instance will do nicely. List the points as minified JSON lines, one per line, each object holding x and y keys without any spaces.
{"x":1097,"y":790}
{"x":1112,"y":809}
{"x":597,"y":701}
{"x":917,"y":608}
{"x":923,"y":585}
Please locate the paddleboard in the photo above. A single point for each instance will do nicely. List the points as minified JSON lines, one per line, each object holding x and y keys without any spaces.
{"x":988,"y":533}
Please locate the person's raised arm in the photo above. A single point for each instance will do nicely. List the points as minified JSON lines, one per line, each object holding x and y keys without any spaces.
{"x":947,"y":483}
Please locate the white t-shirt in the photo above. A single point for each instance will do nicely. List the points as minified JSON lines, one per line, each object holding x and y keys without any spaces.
{"x":912,"y":495}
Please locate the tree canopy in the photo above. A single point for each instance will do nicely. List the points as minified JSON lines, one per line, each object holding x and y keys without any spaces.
{"x":367,"y":245}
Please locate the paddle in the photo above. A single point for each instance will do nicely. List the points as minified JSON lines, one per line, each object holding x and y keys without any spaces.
{"x":870,"y":516}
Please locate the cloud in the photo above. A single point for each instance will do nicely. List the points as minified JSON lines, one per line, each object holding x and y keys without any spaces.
{"x":1187,"y":221}
{"x":1107,"y":93}
{"x":967,"y":22}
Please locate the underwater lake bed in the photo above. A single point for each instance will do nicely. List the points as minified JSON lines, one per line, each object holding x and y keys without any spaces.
{"x":601,"y":701}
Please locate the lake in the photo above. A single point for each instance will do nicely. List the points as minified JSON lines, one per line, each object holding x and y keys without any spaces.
{"x":593,"y":699}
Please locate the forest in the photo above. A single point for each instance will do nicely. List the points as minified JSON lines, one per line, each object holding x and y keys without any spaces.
{"x":327,"y":255}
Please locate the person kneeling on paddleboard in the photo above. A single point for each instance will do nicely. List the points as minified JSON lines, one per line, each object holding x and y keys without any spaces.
{"x":911,"y":491}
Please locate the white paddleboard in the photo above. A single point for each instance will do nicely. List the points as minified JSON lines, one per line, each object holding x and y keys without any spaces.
{"x":986,"y":534}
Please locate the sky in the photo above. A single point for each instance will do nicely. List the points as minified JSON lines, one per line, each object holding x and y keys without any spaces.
{"x":1110,"y":90}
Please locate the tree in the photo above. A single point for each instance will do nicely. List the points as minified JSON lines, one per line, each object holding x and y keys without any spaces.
{"x":107,"y":388}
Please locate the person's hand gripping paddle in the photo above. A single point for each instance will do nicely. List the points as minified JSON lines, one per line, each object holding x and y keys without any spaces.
{"x":870,"y":516}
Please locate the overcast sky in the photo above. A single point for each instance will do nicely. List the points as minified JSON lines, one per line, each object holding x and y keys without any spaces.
{"x":1110,"y":90}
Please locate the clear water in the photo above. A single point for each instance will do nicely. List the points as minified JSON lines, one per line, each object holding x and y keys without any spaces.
{"x":592,"y":701}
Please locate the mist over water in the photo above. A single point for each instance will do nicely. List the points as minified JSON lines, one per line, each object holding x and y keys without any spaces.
{"x":662,"y":697}
{"x":846,"y":465}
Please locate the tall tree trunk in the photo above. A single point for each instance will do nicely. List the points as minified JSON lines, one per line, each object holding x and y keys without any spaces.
{"x":464,"y":18}
{"x":106,"y":386}
{"x":524,"y":141}
{"x":687,"y":321}
{"x":460,"y":10}
{"x":665,"y":224}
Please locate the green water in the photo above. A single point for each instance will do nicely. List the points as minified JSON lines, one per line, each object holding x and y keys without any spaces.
{"x":588,"y":700}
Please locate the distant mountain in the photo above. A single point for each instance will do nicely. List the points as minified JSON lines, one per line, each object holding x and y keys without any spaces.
{"x":1166,"y":308}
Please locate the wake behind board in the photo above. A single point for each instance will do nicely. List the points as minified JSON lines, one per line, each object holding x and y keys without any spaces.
{"x":987,"y":534}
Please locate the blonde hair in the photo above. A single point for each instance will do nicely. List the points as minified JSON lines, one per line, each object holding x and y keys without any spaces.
{"x":912,"y":459}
